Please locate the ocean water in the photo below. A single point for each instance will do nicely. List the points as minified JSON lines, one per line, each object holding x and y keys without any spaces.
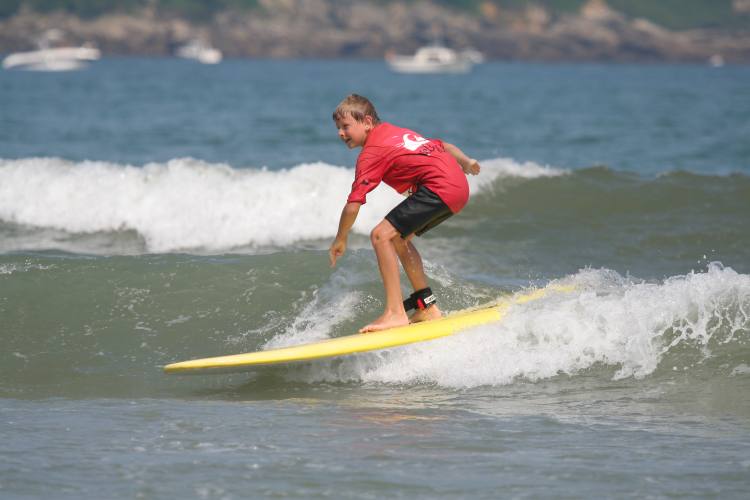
{"x":155,"y":210}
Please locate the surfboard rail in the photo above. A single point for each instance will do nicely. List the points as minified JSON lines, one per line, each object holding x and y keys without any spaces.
{"x":363,"y":342}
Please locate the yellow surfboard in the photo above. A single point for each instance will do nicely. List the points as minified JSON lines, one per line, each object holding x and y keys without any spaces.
{"x":362,"y":342}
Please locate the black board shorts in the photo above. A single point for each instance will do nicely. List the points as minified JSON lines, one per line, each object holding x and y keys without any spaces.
{"x":418,"y":213}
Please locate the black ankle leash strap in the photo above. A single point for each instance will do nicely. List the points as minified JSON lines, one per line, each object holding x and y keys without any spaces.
{"x":421,"y":299}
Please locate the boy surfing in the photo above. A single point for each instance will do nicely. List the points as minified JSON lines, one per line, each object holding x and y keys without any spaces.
{"x":432,"y":174}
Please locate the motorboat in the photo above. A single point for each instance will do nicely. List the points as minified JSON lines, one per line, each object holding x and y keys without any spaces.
{"x":199,"y":51}
{"x":716,"y":61}
{"x":57,"y":59}
{"x":432,"y":59}
{"x":53,"y":58}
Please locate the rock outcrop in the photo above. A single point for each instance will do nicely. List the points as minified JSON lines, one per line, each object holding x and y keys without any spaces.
{"x":327,"y":28}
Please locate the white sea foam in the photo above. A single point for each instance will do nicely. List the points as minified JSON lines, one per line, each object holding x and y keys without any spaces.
{"x":506,"y":167}
{"x":335,"y":302}
{"x":21,"y":268}
{"x":608,"y":321}
{"x":190,"y":204}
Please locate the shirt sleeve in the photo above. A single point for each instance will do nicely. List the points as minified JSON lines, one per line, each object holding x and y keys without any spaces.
{"x":369,"y":173}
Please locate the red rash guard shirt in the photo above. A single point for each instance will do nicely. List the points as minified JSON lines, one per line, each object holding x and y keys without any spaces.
{"x":405,"y":160}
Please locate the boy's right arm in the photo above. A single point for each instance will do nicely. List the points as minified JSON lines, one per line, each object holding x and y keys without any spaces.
{"x":348,"y":216}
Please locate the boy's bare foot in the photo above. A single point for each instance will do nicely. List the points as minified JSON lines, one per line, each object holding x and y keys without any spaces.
{"x":426,"y":314}
{"x":387,"y":320}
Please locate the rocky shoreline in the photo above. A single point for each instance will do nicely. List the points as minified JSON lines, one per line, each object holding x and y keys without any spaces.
{"x":328,"y":29}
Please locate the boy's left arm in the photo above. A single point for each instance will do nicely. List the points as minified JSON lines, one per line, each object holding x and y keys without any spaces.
{"x":469,"y":165}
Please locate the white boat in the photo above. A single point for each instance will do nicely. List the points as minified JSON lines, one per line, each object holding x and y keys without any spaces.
{"x":716,"y":61}
{"x":199,"y":51}
{"x":432,"y":59}
{"x":49,"y":58}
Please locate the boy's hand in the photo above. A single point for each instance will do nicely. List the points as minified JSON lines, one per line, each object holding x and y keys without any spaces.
{"x":338,"y":248}
{"x":472,"y":167}
{"x":348,"y":216}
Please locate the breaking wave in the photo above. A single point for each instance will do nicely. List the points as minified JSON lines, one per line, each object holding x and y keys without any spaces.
{"x":187,"y":204}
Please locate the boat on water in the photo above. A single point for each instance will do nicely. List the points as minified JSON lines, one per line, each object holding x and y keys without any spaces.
{"x":434,"y":59}
{"x":199,"y":51}
{"x":56,"y":59}
{"x":53,"y":58}
{"x":716,"y":61}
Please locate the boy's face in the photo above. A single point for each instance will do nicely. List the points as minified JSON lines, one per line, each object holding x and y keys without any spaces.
{"x":352,"y":132}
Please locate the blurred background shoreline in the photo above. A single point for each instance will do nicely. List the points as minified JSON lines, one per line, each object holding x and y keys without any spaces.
{"x":692,"y":31}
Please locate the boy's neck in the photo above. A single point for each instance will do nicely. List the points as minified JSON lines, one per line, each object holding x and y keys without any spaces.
{"x":368,"y":132}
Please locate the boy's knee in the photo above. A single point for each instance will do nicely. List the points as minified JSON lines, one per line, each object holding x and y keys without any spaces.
{"x":377,"y":236}
{"x":382,"y":233}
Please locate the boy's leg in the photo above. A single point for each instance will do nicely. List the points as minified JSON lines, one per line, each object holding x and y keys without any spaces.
{"x":418,"y":213}
{"x":382,"y":238}
{"x":412,"y":263}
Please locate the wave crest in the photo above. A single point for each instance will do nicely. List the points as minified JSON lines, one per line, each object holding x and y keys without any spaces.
{"x":190,"y":204}
{"x":634,"y":329}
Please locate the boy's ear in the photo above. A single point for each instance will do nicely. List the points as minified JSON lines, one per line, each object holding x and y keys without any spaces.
{"x":369,"y":123}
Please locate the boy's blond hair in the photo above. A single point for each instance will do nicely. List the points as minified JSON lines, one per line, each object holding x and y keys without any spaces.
{"x":357,"y":107}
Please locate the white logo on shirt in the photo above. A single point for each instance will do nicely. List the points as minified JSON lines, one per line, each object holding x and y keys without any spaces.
{"x":413,"y":142}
